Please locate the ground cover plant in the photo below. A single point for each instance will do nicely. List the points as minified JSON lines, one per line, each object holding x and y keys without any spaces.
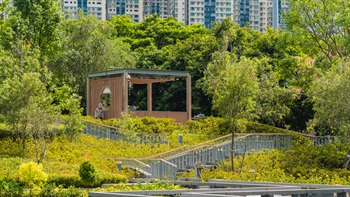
{"x":64,"y":158}
{"x":86,"y":161}
{"x":65,"y":155}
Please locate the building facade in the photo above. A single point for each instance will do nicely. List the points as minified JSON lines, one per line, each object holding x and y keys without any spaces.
{"x":257,"y":14}
{"x":260,"y":14}
{"x":93,"y":7}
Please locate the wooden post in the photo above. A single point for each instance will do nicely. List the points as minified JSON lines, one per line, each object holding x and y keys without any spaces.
{"x":149,"y":96}
{"x":88,"y":97}
{"x":125,"y":93}
{"x":189,"y":97}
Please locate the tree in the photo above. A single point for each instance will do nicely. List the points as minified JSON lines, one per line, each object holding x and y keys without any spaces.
{"x":273,"y":99}
{"x":29,"y":101}
{"x":85,"y":49}
{"x":163,"y":32}
{"x":26,"y":106}
{"x":121,"y":26}
{"x":233,"y":86}
{"x":330,"y":94}
{"x":323,"y":23}
{"x":41,"y":19}
{"x":192,"y":55}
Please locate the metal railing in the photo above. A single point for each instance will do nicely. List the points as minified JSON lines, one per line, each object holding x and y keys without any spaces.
{"x":205,"y":153}
{"x":213,"y":154}
{"x":165,"y":165}
{"x":235,"y":188}
{"x":152,"y":168}
{"x":113,"y":133}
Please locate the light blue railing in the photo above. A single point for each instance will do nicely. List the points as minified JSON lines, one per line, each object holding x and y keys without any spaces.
{"x":113,"y":133}
{"x":164,"y":165}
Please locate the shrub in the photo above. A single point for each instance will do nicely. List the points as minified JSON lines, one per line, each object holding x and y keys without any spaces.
{"x":10,"y":187}
{"x":71,"y":191}
{"x":52,"y":190}
{"x":5,"y":132}
{"x":297,"y":139}
{"x":87,"y":173}
{"x":209,"y":125}
{"x":65,"y":182}
{"x":32,"y":174}
{"x":48,"y":191}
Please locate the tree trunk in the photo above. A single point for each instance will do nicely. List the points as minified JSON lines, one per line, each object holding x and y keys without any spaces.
{"x":232,"y":151}
{"x":347,"y":160}
{"x":232,"y":122}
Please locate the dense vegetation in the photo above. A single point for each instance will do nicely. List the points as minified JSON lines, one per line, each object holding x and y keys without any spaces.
{"x":296,"y":79}
{"x":89,"y":162}
{"x":302,"y":164}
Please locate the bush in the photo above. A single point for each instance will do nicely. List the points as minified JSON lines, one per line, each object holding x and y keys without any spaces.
{"x":113,"y":179}
{"x":10,"y":187}
{"x":209,"y":125}
{"x":48,"y":191}
{"x":297,"y":139}
{"x":52,"y":190}
{"x":65,"y":182}
{"x":32,"y":174}
{"x":71,"y":191}
{"x":87,"y":173}
{"x":5,"y":132}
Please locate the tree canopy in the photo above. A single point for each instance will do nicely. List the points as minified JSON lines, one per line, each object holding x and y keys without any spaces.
{"x":280,"y":78}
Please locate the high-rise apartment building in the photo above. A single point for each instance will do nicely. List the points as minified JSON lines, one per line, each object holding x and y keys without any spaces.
{"x":259,"y":14}
{"x":179,"y":10}
{"x":160,"y":7}
{"x":210,"y":12}
{"x":94,"y":7}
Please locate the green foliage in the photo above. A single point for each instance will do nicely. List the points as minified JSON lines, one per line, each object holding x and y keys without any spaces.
{"x":165,"y":31}
{"x":86,"y":48}
{"x":122,"y":26}
{"x":32,"y":174}
{"x":42,"y":20}
{"x":69,"y":104}
{"x":150,"y":125}
{"x":331,"y":112}
{"x":297,"y":139}
{"x":87,"y":173}
{"x":302,"y":164}
{"x":10,"y":187}
{"x":322,"y":24}
{"x":273,"y":99}
{"x":6,"y":132}
{"x":140,"y":186}
{"x":233,"y":86}
{"x":192,"y":55}
{"x":51,"y":190}
{"x":209,"y":126}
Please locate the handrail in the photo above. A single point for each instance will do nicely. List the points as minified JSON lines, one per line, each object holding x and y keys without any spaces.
{"x":120,"y":129}
{"x":140,"y":162}
{"x":114,"y":133}
{"x":185,"y":148}
{"x":167,"y":162}
{"x":103,"y":125}
{"x":169,"y":151}
{"x":203,"y":147}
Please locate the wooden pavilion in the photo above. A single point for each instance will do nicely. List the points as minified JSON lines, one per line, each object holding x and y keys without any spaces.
{"x":111,"y":88}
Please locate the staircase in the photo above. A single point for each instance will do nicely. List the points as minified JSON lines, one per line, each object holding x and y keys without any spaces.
{"x":166,"y":165}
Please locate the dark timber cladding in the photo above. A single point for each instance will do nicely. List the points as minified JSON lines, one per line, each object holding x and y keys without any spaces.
{"x":118,"y":82}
